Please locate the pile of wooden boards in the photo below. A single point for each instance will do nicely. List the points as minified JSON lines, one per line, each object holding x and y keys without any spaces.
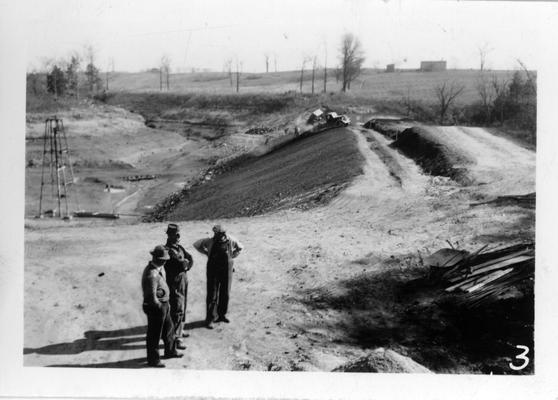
{"x":484,"y":276}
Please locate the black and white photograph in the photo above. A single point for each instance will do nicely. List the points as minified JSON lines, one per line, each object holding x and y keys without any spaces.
{"x":248,"y":191}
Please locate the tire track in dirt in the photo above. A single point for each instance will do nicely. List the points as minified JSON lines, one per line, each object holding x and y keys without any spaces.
{"x":387,"y":175}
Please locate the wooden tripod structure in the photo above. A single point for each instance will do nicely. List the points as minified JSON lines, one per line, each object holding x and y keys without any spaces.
{"x":56,"y":160}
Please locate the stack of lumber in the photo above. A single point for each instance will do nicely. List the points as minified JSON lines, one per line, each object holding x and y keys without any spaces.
{"x":484,"y":276}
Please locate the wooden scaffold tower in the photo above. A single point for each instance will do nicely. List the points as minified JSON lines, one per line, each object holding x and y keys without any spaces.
{"x":57,"y":163}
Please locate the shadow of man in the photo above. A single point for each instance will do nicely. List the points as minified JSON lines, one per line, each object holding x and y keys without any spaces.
{"x":120,"y":339}
{"x":132,"y":363}
{"x":195,"y":325}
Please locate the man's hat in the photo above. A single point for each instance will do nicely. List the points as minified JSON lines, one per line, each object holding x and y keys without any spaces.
{"x":173,"y":228}
{"x":160,"y":253}
{"x":219,"y":229}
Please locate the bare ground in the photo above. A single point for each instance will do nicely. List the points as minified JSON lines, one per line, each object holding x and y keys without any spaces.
{"x":313,"y":289}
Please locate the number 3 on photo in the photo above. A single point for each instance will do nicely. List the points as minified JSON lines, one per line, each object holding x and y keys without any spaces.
{"x":523,"y":357}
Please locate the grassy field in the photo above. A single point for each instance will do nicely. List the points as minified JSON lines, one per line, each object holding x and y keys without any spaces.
{"x":371,"y":84}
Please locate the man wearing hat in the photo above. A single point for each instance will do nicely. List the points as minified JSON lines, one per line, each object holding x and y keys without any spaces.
{"x":156,"y":307}
{"x":220,"y":251}
{"x":176,"y":271}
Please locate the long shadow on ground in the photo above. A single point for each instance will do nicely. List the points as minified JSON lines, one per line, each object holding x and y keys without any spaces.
{"x":120,"y":339}
{"x":132,"y":363}
{"x":399,"y":309}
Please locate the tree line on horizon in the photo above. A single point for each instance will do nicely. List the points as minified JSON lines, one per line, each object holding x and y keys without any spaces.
{"x":500,"y":99}
{"x":64,"y":76}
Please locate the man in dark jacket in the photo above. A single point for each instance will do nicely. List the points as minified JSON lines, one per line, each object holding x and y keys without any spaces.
{"x":220,"y":251}
{"x":156,"y":307}
{"x":176,"y":270}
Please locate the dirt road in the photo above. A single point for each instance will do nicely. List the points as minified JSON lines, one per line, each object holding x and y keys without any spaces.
{"x":297,"y":295}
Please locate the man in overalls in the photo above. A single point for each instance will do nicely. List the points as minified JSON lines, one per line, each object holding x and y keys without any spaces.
{"x":220,"y":251}
{"x":176,"y":269}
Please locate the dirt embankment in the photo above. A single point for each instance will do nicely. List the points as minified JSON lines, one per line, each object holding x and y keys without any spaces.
{"x":431,"y":155}
{"x":471,"y":156}
{"x":304,"y":173}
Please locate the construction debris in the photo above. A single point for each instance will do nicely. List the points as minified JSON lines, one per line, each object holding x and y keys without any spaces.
{"x":134,"y":178}
{"x":482,"y":277}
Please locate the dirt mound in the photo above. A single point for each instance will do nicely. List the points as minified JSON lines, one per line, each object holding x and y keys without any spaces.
{"x":391,"y":128}
{"x":432,"y":155}
{"x":382,"y":360}
{"x":304,"y":173}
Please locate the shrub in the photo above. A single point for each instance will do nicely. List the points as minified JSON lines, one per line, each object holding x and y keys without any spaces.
{"x":56,"y":81}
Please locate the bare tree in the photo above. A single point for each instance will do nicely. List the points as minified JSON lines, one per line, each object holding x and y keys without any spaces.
{"x":90,"y":53}
{"x":325,"y":69}
{"x":164,"y":71}
{"x":314,"y":65}
{"x":352,"y":58}
{"x":483,"y":52}
{"x":408,"y":101}
{"x":107,"y":72}
{"x":238,"y":71}
{"x":72,"y":73}
{"x":266,"y":55}
{"x":275,"y":61}
{"x":530,"y":78}
{"x":228,"y":69}
{"x":91,"y":70}
{"x":33,"y":80}
{"x":46,"y":65}
{"x":500,"y":87}
{"x":446,"y":93}
{"x":305,"y":59}
{"x":487,"y":94}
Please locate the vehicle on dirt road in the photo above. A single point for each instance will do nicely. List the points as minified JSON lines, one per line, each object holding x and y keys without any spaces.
{"x":334,"y":119}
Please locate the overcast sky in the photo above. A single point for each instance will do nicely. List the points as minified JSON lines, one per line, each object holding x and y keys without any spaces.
{"x":203,"y":33}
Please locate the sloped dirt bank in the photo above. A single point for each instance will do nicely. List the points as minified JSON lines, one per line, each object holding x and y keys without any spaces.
{"x":431,"y":155}
{"x":304,"y":173}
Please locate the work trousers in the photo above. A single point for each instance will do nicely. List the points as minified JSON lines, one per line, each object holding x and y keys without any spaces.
{"x":159,"y":325}
{"x":178,"y":302}
{"x":219,"y":278}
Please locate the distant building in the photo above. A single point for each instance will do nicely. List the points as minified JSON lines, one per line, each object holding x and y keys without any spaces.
{"x":433,"y":66}
{"x":390,"y":68}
